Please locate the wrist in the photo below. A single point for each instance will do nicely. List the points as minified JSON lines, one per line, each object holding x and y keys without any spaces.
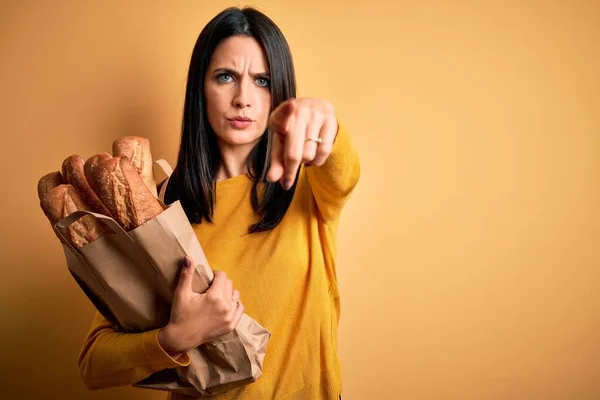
{"x":167,"y":340}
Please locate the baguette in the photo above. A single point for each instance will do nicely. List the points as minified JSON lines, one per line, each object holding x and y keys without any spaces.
{"x":48,"y":182}
{"x":63,"y":200}
{"x":122,"y":190}
{"x":72,"y":172}
{"x":91,"y":163}
{"x":137,"y":149}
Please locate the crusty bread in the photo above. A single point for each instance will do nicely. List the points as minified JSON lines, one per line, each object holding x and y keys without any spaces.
{"x":137,"y":149}
{"x":91,"y":163}
{"x":72,"y":172}
{"x":48,"y":182}
{"x":122,"y":190}
{"x":63,"y":200}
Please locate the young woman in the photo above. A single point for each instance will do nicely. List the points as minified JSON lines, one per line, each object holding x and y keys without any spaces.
{"x":263,"y":177}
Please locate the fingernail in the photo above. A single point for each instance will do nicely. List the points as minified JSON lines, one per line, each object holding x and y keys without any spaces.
{"x":288,"y":185}
{"x":188,"y":262}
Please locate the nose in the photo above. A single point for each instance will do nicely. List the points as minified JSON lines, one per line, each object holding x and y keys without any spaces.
{"x":241,"y":98}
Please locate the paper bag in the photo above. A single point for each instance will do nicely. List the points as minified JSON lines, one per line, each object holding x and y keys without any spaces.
{"x":130,"y":277}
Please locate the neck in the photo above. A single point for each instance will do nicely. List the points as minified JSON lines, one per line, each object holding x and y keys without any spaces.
{"x":233,"y":161}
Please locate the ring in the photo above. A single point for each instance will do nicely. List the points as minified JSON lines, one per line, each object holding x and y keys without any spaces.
{"x":318,"y":140}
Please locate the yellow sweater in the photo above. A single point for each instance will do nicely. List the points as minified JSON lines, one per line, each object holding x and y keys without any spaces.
{"x":287,"y":281}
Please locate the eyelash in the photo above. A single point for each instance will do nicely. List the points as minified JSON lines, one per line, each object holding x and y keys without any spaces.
{"x":220,"y":76}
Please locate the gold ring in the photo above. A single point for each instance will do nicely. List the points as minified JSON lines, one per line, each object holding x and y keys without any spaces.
{"x":318,"y":140}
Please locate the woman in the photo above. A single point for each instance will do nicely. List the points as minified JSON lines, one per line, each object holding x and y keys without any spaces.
{"x":263,"y":178}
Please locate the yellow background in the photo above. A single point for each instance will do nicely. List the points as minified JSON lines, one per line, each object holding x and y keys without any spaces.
{"x":470,"y":253}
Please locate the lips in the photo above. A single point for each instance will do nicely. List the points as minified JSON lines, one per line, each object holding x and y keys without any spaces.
{"x":240,"y":122}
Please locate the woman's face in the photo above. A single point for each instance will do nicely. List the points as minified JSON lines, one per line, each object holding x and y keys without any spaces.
{"x":237,"y":92}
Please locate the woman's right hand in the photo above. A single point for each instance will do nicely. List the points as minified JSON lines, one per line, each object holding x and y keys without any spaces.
{"x":199,"y":318}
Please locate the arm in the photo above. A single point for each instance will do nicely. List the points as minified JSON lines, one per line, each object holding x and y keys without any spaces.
{"x":332,"y":182}
{"x":306,"y":131}
{"x":110,"y":358}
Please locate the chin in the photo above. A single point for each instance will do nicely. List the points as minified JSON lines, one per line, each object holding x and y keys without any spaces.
{"x":234,"y":137}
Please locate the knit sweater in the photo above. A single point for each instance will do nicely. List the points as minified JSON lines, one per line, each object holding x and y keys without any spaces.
{"x":287,"y":280}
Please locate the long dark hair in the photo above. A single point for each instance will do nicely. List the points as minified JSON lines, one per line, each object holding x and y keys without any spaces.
{"x":194,"y":179}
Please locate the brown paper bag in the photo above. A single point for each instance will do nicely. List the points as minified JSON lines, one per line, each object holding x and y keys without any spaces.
{"x":130,"y":277}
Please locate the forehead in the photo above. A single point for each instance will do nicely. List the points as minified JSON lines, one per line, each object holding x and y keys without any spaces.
{"x":239,"y":52}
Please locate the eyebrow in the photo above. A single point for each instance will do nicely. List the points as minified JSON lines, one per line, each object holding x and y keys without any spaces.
{"x":235,"y":73}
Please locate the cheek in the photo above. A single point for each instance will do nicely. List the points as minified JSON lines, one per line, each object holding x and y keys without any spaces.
{"x":265,"y":101}
{"x":213,"y":101}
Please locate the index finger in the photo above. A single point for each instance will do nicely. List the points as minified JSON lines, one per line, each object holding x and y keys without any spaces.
{"x":293,"y":150}
{"x":276,"y":168}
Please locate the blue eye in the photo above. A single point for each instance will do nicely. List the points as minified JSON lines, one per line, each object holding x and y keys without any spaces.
{"x":225,"y":78}
{"x":263,"y":82}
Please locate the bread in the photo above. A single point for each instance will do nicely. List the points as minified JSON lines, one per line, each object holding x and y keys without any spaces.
{"x":63,"y":200}
{"x":137,"y":150}
{"x":122,"y":190}
{"x":72,"y":172}
{"x":48,"y":182}
{"x":91,"y":163}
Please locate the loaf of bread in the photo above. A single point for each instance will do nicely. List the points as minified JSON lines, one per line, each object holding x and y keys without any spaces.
{"x":137,"y":150}
{"x":73,"y":174}
{"x":122,"y":190}
{"x":91,"y":163}
{"x":63,"y":200}
{"x":48,"y":182}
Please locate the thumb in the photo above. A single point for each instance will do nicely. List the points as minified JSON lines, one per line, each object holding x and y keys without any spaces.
{"x":184,"y":286}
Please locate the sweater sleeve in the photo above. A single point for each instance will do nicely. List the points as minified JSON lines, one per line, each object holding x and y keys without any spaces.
{"x":109,"y":358}
{"x":333,"y":182}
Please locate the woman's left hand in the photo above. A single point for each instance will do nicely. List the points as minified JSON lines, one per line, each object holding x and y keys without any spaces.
{"x":304,"y":131}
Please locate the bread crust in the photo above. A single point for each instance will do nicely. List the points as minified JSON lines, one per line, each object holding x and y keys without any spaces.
{"x":72,"y":172}
{"x":64,"y":200}
{"x":122,"y":190}
{"x":137,"y":150}
{"x":49,"y":182}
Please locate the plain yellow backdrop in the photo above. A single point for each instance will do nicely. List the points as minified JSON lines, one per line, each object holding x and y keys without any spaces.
{"x":469,"y":255}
